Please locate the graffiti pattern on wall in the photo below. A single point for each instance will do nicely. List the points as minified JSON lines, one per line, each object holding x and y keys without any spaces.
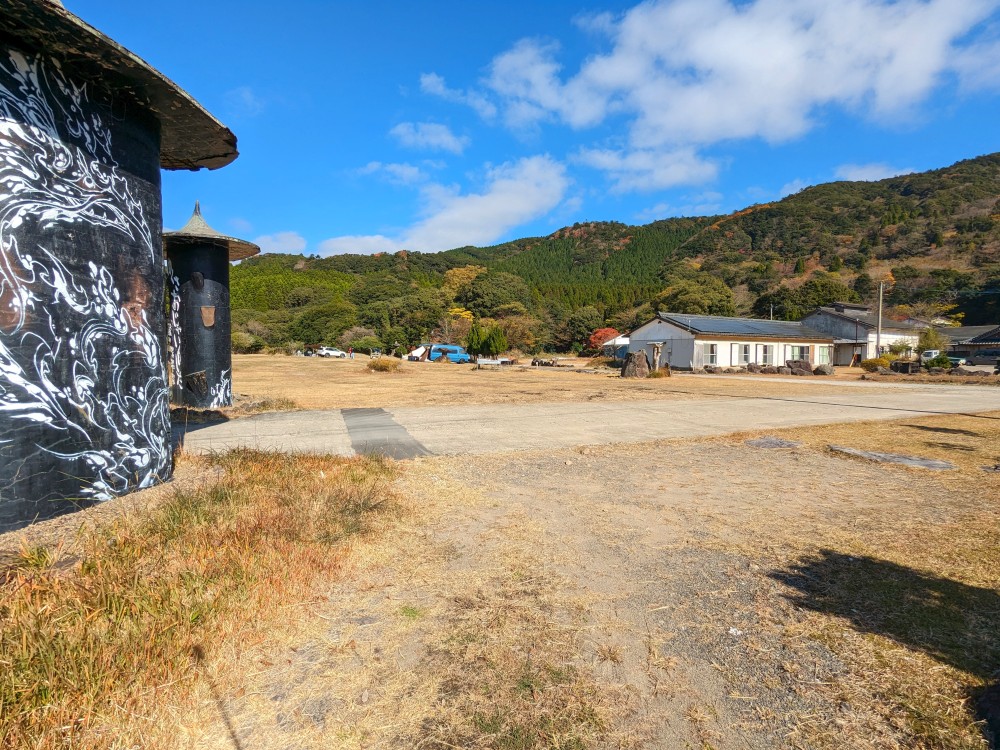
{"x":222,"y":392}
{"x":72,"y":334}
{"x":174,"y":329}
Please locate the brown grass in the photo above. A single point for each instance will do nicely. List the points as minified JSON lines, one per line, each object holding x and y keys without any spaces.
{"x":97,"y":651}
{"x":316,"y":383}
{"x":383,"y":364}
{"x":909,"y":607}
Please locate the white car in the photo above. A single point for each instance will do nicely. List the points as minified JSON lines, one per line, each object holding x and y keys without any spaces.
{"x":329,"y":351}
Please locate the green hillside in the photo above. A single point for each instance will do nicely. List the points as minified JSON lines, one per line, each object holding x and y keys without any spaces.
{"x":934,"y":236}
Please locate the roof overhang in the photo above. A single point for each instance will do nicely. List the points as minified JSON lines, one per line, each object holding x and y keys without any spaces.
{"x":191,"y":138}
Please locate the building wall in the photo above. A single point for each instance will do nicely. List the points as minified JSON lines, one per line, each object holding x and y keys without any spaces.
{"x":684,"y":352}
{"x":840,"y":328}
{"x":83,"y":395}
{"x":678,"y":345}
{"x":200,"y":327}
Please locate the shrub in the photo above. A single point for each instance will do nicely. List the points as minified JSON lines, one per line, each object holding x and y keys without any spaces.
{"x":940,"y":360}
{"x":871,"y":365}
{"x":384,"y":364}
{"x":245,"y":343}
{"x":661,"y":373}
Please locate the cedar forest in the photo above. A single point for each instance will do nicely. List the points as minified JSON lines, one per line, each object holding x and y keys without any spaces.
{"x":933,"y":237}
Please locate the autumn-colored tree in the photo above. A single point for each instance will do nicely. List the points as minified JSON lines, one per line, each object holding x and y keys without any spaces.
{"x":600,"y":337}
{"x":459,"y":279}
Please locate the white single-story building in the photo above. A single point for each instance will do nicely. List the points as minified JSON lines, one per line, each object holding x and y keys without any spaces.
{"x":616,"y":347}
{"x":690,"y":342}
{"x":855,"y":329}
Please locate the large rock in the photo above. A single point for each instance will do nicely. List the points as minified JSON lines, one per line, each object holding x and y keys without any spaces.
{"x":784,"y":370}
{"x":769,"y":370}
{"x":823,"y":370}
{"x":754,"y":367}
{"x":636,"y":365}
{"x":802,"y":364}
{"x":801,"y":371}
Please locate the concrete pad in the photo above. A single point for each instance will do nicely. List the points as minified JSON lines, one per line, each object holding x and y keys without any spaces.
{"x":498,"y":428}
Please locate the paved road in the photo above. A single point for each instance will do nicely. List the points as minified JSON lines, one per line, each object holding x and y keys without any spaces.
{"x":415,"y":431}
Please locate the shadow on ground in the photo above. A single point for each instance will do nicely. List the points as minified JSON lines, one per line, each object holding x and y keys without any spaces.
{"x":955,"y":623}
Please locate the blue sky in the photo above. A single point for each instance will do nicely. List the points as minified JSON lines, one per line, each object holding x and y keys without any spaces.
{"x":367,"y":126}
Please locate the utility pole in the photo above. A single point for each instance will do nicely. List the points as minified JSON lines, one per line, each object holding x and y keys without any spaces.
{"x":878,"y":330}
{"x":772,"y":311}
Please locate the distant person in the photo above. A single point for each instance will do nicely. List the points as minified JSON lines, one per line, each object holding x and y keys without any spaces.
{"x":350,"y":352}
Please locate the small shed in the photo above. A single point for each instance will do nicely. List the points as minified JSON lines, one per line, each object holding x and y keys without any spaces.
{"x":690,"y":342}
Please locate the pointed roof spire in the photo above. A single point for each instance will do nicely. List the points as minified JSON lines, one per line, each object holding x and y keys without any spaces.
{"x":197,"y":231}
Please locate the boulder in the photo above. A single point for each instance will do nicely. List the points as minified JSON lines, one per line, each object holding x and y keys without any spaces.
{"x":769,"y":370}
{"x":784,"y":370}
{"x":823,"y":370}
{"x":802,"y":364}
{"x":730,"y":371}
{"x":884,"y":371}
{"x":753,"y":367}
{"x":801,"y":371}
{"x":712,"y":369}
{"x":936,"y":370}
{"x":636,"y":365}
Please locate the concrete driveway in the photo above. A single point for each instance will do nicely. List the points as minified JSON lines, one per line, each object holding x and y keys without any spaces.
{"x":499,"y":428}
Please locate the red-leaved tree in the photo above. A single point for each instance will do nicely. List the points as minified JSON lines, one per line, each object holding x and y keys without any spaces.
{"x":600,"y":337}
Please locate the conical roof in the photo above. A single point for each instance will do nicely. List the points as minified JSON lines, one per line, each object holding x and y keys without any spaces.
{"x":190,"y":138}
{"x":198,"y":232}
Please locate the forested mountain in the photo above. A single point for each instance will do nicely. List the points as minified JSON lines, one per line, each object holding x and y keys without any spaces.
{"x":934,"y":237}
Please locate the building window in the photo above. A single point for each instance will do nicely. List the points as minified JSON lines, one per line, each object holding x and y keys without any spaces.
{"x":767,"y":354}
{"x":823,"y":355}
{"x":745,"y":354}
{"x":711,"y":354}
{"x":800,"y":352}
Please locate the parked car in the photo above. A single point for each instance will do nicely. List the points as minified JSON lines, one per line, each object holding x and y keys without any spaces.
{"x":984,"y":357}
{"x":452,"y":352}
{"x":929,"y":354}
{"x":329,"y":351}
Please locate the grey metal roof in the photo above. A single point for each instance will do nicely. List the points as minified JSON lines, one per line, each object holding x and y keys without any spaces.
{"x":962,"y":334}
{"x":990,"y":337}
{"x":198,"y":232}
{"x":716,"y":325}
{"x":191,"y":138}
{"x":869,"y":319}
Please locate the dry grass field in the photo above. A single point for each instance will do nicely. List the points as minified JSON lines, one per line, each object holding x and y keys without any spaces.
{"x":315,"y":383}
{"x":696,"y":593}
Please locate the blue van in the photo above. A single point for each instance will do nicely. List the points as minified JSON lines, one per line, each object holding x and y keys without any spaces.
{"x":453,"y":352}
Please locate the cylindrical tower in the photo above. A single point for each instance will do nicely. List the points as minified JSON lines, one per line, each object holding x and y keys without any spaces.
{"x":85,"y":127}
{"x":200,"y":329}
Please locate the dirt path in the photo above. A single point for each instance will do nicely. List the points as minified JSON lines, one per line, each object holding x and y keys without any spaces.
{"x":647,"y":596}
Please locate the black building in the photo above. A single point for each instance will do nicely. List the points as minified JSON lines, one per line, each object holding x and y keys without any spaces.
{"x":85,"y":127}
{"x":200,"y":327}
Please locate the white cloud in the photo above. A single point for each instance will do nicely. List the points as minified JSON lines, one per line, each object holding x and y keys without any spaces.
{"x":685,"y":74}
{"x":515,"y":192}
{"x":281,"y":242}
{"x":869,"y":172}
{"x":793,"y":187}
{"x":700,"y":71}
{"x":429,"y":135}
{"x":650,"y":169}
{"x":708,"y":203}
{"x":398,"y":174}
{"x":978,"y":66}
{"x":432,"y":83}
{"x":243,"y":101}
{"x":241,"y":225}
{"x":358,"y":244}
